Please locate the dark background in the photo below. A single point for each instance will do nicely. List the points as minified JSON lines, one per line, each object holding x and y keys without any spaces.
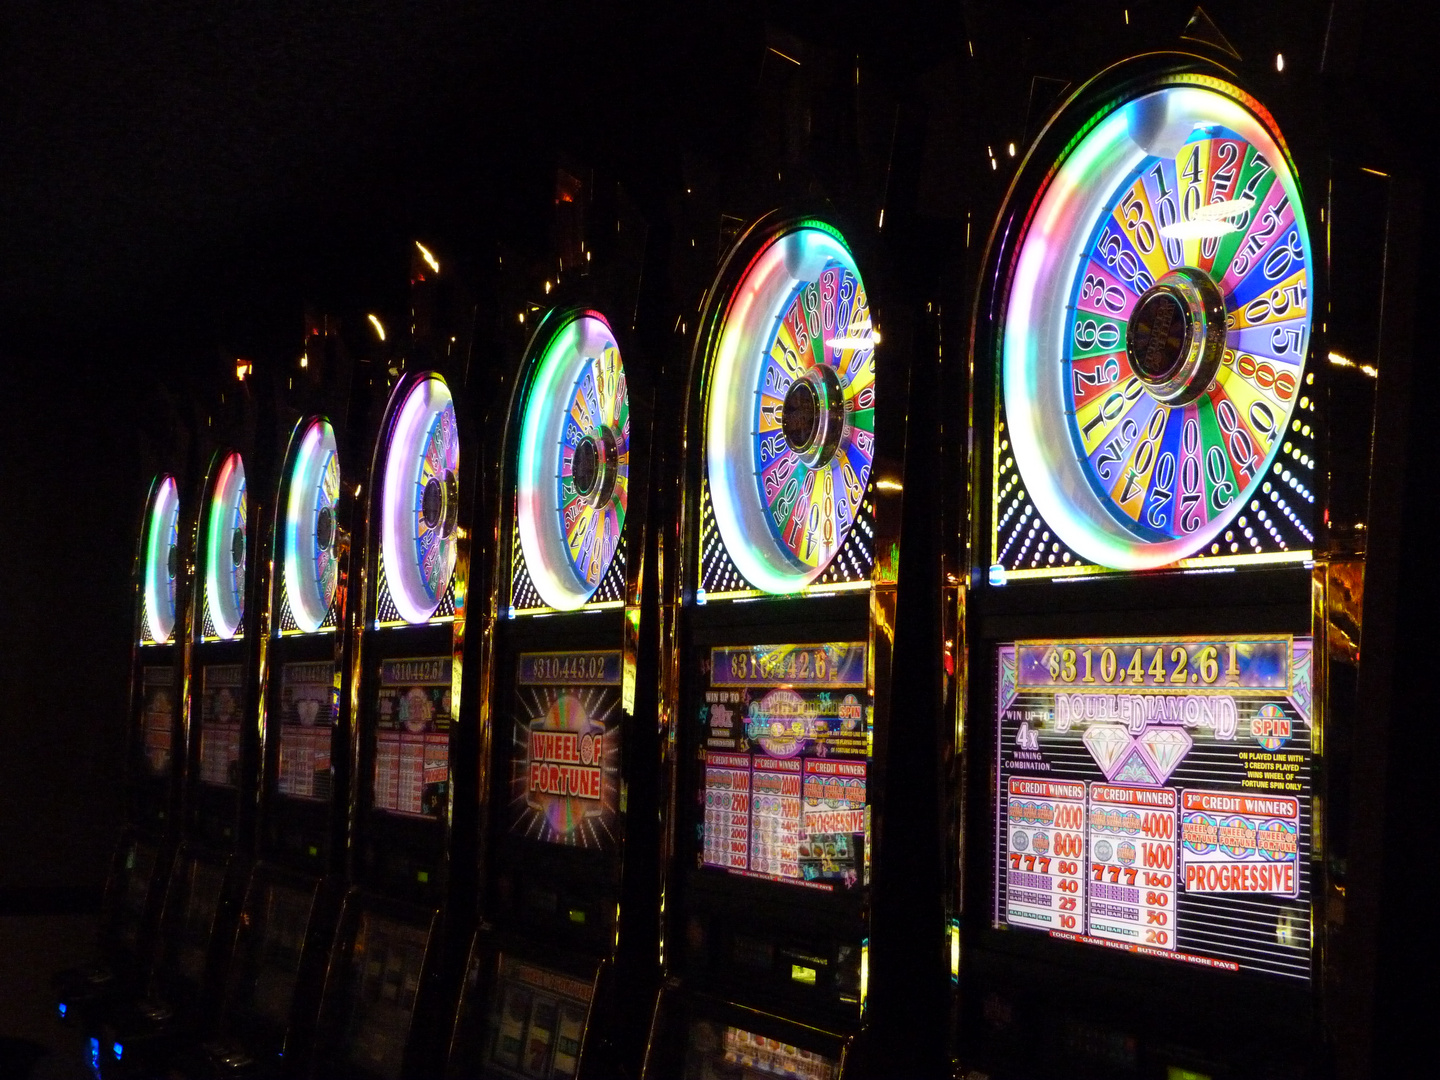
{"x":179,"y":179}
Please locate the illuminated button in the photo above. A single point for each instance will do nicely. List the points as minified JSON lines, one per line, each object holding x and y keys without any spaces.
{"x":802,"y":974}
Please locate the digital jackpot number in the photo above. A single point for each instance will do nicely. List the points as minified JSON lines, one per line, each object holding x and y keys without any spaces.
{"x":1143,"y":665}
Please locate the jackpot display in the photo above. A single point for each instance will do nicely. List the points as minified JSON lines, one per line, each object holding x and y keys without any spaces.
{"x":1154,"y":795}
{"x":1154,"y":407}
{"x":787,"y":747}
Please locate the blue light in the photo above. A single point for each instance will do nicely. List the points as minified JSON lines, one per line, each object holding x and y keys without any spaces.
{"x":118,"y":1050}
{"x":95,"y":1056}
{"x":63,"y":1010}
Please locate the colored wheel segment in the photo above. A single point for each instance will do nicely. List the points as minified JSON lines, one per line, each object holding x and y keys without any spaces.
{"x":225,"y":545}
{"x":790,"y":466}
{"x":421,"y":500}
{"x":573,"y":461}
{"x":1168,"y":269}
{"x":314,"y":488}
{"x":162,"y":559}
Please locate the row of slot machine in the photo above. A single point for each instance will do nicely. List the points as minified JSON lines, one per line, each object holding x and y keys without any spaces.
{"x":545,"y":697}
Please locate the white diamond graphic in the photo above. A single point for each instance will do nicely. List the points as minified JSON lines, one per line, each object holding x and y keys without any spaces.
{"x":1107,"y":743}
{"x":1166,"y":747}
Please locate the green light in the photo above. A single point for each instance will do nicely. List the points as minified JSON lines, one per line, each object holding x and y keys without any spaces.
{"x":1175,"y":1072}
{"x":577,"y":916}
{"x":802,"y":974}
{"x":422,"y":876}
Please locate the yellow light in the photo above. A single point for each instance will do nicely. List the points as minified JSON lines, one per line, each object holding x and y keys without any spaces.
{"x":547,"y":288}
{"x":889,"y":485}
{"x":243,"y":368}
{"x":1011,"y":148}
{"x":1279,"y":61}
{"x":430,"y":259}
{"x":1341,"y":361}
{"x":378,"y":325}
{"x":864,"y":973}
{"x":522,"y":317}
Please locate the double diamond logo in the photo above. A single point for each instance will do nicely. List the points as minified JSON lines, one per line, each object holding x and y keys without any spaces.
{"x":1148,"y":758}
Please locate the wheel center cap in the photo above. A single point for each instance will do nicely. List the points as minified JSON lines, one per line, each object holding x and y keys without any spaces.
{"x":324,"y":528}
{"x":440,"y":505}
{"x":594,"y":467}
{"x":1175,"y":338}
{"x":812,"y":417}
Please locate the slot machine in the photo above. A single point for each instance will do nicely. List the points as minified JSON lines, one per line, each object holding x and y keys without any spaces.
{"x":1163,"y":597}
{"x":561,"y":971}
{"x":782,"y":610}
{"x":801,"y":670}
{"x":206,"y":876}
{"x":136,"y":876}
{"x":387,"y":971}
{"x":292,"y":900}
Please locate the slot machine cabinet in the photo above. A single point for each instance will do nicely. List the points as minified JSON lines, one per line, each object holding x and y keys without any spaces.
{"x":383,"y":984}
{"x":1151,"y":604}
{"x":781,"y":608}
{"x":135,"y":880}
{"x":293,"y":897}
{"x":561,"y":971}
{"x":206,"y":877}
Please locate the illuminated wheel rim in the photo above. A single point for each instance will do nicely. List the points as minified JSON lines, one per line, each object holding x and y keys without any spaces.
{"x":790,"y":419}
{"x":225,"y":544}
{"x":421,"y":500}
{"x":310,"y":526}
{"x":1157,"y":326}
{"x":162,"y":560}
{"x":573,"y":470}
